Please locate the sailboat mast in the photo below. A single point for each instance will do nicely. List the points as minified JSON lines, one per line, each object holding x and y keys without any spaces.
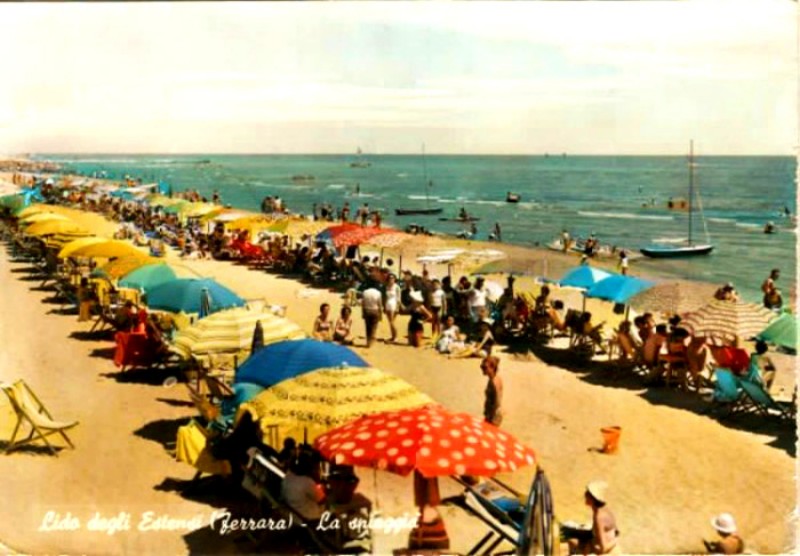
{"x":425,"y":177}
{"x":691,"y":186}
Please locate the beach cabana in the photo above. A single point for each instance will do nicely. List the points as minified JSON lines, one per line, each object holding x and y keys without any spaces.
{"x":284,"y":360}
{"x":311,"y":404}
{"x":185,"y":295}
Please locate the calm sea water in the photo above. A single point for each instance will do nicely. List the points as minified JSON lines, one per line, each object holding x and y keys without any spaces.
{"x":583,"y":194}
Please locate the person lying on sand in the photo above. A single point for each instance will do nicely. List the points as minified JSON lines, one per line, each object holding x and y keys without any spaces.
{"x":482,"y":347}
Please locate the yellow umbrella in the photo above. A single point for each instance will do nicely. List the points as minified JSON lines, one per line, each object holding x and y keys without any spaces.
{"x":299,"y":227}
{"x":192,"y":210}
{"x":72,"y":246}
{"x":93,"y":222}
{"x":313,"y":403}
{"x":123,"y":265}
{"x":57,"y":241}
{"x":50,"y":227}
{"x":41,"y":217}
{"x":38,"y":208}
{"x":226,"y":215}
{"x":108,"y":249}
{"x":232,"y":332}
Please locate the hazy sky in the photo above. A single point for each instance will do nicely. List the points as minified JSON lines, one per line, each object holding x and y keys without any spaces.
{"x":477,"y":77}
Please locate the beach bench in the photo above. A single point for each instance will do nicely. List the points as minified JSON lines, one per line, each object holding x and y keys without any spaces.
{"x":526,"y":527}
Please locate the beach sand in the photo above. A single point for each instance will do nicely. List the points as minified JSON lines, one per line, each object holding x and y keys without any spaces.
{"x":676,"y":467}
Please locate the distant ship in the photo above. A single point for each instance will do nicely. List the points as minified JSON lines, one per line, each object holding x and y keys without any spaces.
{"x":512,"y":197}
{"x":360,"y":162}
{"x":303,"y":178}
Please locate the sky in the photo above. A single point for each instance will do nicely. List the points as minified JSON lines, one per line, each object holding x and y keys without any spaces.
{"x":460,"y":77}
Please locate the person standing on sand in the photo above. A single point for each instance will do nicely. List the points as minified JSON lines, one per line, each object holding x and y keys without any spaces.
{"x":623,"y":262}
{"x":492,"y":405}
{"x":371,"y":310}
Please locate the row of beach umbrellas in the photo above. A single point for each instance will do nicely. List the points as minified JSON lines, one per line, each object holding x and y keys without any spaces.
{"x":704,"y":316}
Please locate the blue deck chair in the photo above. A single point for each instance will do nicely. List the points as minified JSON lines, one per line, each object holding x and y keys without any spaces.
{"x":761,"y":402}
{"x":728,"y":393}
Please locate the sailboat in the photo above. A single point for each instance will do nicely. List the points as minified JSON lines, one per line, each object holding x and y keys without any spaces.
{"x":690,"y":248}
{"x":360,"y":162}
{"x":428,"y":185}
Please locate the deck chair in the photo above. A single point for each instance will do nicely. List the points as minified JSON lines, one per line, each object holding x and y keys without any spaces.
{"x":527,"y":528}
{"x":728,"y":393}
{"x":28,"y":407}
{"x":762,"y":403}
{"x":262,"y":479}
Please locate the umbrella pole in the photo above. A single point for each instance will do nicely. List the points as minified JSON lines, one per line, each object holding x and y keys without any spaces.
{"x":381,"y":262}
{"x":400,"y":264}
{"x":627,"y":311}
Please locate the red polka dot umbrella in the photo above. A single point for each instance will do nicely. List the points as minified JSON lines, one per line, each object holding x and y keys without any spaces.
{"x":431,"y":440}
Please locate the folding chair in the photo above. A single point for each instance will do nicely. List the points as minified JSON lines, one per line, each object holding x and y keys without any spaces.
{"x":728,"y":393}
{"x":28,"y":407}
{"x":527,"y":528}
{"x":762,"y":402}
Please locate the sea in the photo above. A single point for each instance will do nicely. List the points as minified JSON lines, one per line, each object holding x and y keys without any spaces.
{"x":621,"y":199}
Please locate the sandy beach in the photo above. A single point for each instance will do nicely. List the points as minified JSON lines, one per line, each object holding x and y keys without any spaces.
{"x":676,"y":468}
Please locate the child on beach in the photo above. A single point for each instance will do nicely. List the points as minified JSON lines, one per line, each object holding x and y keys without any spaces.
{"x":492,"y":405}
{"x":730,"y":542}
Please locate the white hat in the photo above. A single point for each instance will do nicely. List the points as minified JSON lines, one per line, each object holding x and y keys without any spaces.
{"x":724,"y":523}
{"x":416,"y":295}
{"x":598,"y":490}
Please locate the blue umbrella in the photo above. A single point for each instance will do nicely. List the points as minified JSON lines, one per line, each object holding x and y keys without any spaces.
{"x":148,"y":277}
{"x":584,"y":276}
{"x":185,"y":295}
{"x":284,"y":360}
{"x":618,"y":288}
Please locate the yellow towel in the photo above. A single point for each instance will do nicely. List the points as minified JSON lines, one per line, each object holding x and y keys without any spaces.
{"x":192,"y":448}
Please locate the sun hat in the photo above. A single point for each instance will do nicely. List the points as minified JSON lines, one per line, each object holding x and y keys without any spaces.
{"x":416,"y":295}
{"x":598,"y":490}
{"x":724,"y":523}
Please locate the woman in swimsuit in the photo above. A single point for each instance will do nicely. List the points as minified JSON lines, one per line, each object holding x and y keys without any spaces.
{"x":323,"y":327}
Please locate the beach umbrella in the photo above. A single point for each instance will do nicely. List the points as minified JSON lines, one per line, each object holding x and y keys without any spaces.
{"x":148,"y":276}
{"x":51,"y":227}
{"x":311,"y":404}
{"x":195,"y":210}
{"x":429,"y":439}
{"x":524,"y":266}
{"x":184,"y":295}
{"x":675,"y":297}
{"x":394,"y":240}
{"x":583,"y":276}
{"x":58,"y":241}
{"x":175,"y":206}
{"x":41,"y":216}
{"x":300,"y":227}
{"x":359,"y":235}
{"x":728,"y":319}
{"x":782,"y":332}
{"x":618,"y":288}
{"x":231,"y":331}
{"x":258,"y":338}
{"x":283,"y":360}
{"x":108,"y":249}
{"x":226,"y":215}
{"x":69,"y":248}
{"x":121,"y":266}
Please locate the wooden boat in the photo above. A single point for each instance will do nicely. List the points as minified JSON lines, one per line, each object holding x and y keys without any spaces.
{"x":512,"y":197}
{"x":690,"y":249}
{"x":406,"y":212}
